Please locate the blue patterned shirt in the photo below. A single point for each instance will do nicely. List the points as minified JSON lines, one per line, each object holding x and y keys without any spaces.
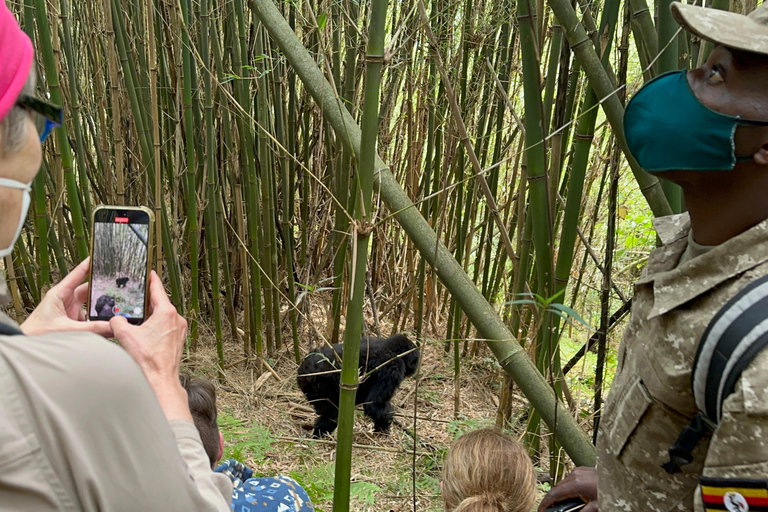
{"x":264,"y":494}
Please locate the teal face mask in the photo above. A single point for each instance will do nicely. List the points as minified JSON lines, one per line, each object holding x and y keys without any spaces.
{"x":669,"y":129}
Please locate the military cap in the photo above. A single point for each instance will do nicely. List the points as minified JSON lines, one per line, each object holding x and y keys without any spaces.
{"x":746,"y":33}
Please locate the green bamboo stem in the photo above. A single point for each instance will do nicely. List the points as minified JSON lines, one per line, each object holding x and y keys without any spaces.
{"x":345,"y":186}
{"x":501,"y":341}
{"x":286,"y":211}
{"x":138,"y":109}
{"x":67,"y":162}
{"x":153,"y":117}
{"x":211,"y":225}
{"x":598,"y":79}
{"x":74,"y":99}
{"x":236,"y":21}
{"x":641,"y":14}
{"x":585,"y":130}
{"x":114,"y":99}
{"x":268,"y":245}
{"x":668,"y":61}
{"x":193,"y":308}
{"x":38,"y":184}
{"x":361,"y":232}
{"x":463,"y":134}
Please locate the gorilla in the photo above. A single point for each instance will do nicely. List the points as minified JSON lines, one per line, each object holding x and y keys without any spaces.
{"x":383,"y":357}
{"x":121,"y":281}
{"x":104,"y":305}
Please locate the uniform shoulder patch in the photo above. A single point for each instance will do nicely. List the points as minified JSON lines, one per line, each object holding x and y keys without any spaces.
{"x":734,"y":494}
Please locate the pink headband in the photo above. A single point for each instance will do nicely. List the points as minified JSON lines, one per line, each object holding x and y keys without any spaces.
{"x":16,"y":56}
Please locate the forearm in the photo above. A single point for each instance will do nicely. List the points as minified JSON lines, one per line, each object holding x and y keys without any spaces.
{"x":172,"y":397}
{"x":215,"y":488}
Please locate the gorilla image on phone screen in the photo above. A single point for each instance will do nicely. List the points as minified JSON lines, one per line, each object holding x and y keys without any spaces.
{"x":119,"y":267}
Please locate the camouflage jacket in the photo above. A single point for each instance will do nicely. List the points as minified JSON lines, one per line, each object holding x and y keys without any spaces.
{"x":651,"y":400}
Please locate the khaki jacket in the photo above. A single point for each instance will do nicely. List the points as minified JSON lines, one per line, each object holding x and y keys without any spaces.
{"x":80,"y":429}
{"x":651,"y":400}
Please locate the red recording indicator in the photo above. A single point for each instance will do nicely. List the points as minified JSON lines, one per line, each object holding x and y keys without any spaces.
{"x":121,"y":220}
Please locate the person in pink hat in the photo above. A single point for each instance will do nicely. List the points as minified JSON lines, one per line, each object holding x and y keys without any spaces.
{"x":84,"y":423}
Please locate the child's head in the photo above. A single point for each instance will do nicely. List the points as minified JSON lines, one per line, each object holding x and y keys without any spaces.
{"x":488,"y":471}
{"x":202,"y":405}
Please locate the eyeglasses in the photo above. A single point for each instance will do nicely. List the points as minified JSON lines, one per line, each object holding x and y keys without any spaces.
{"x":48,"y":116}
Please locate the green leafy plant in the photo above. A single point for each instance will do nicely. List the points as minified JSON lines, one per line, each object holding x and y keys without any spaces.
{"x":317,"y":481}
{"x":460,"y":427}
{"x":363,"y":492}
{"x":548,"y":304}
{"x":252,"y":443}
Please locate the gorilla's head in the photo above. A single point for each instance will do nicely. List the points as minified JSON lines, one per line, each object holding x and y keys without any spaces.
{"x":105,"y":305}
{"x":401,"y":344}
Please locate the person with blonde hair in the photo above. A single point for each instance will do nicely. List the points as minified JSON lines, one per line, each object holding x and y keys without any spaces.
{"x":488,"y":471}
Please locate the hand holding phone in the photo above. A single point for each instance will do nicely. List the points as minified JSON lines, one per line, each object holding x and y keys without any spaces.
{"x":580,"y":485}
{"x":571,"y":505}
{"x":61,"y":309}
{"x":121,"y":245}
{"x":157,"y":346}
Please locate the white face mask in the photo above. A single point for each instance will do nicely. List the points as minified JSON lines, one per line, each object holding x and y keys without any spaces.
{"x":5,"y":182}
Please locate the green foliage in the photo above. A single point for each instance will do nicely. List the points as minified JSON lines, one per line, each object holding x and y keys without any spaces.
{"x":548,"y":304}
{"x":251,"y":444}
{"x":317,"y":480}
{"x":458,"y":428}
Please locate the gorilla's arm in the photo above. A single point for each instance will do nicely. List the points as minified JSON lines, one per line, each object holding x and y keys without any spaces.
{"x":376,"y":404}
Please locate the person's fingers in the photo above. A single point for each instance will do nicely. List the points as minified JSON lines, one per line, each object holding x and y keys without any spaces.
{"x":81,"y":293}
{"x":100,"y":327}
{"x":157,"y":296}
{"x":548,"y":501}
{"x":76,"y":277}
{"x":591,"y":507}
{"x":119,"y":325}
{"x":567,"y":489}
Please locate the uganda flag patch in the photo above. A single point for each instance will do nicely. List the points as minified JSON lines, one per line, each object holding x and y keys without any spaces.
{"x":734,"y":495}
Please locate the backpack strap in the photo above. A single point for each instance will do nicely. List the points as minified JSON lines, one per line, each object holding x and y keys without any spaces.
{"x":732,"y":339}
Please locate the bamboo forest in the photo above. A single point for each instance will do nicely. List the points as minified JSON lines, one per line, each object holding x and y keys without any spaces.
{"x":325,"y":170}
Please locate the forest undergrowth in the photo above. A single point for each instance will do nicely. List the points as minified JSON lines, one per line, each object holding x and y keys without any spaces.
{"x":266,"y":422}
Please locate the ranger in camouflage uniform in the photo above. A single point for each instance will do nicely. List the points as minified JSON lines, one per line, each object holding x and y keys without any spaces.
{"x":707,"y":256}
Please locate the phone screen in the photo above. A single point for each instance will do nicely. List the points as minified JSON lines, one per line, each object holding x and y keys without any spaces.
{"x":119,"y":264}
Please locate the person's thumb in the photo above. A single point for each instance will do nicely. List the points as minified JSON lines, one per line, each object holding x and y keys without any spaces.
{"x":119,"y":325}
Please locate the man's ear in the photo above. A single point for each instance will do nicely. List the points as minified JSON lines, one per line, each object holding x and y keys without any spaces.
{"x":761,"y":157}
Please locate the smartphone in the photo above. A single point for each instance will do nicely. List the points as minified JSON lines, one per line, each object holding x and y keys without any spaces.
{"x":567,"y":506}
{"x":121,"y":247}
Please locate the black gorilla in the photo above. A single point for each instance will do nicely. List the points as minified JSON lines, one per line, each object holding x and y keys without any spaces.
{"x":320,"y":383}
{"x":104,"y":305}
{"x":121,"y":281}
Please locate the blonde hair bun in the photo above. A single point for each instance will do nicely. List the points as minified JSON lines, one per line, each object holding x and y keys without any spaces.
{"x":487,"y":470}
{"x":486,"y":502}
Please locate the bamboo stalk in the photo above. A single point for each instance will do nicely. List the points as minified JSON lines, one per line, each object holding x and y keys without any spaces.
{"x":155,"y":137}
{"x":67,"y":162}
{"x":361,"y":233}
{"x":501,"y":341}
{"x":193,"y":308}
{"x":211,"y":225}
{"x":598,"y":79}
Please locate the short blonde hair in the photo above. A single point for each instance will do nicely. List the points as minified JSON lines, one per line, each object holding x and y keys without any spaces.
{"x":488,"y":471}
